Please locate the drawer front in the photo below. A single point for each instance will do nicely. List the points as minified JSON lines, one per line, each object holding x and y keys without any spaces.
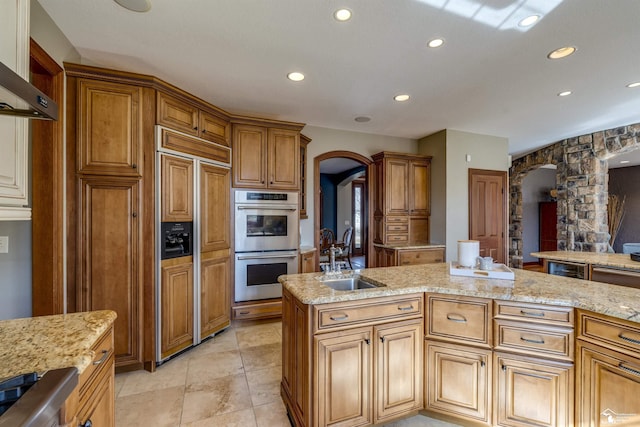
{"x":340,"y":314}
{"x":609,"y":332}
{"x":397,"y":227}
{"x":534,"y":340}
{"x":421,"y":257}
{"x":257,"y":311}
{"x":537,"y":313}
{"x":103,"y":356}
{"x":396,"y":219}
{"x":397,"y":238}
{"x":458,"y":319}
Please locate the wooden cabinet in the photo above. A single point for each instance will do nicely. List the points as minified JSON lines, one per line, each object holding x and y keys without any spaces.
{"x":215,"y":207}
{"x":307,"y":261}
{"x":189,"y":118}
{"x":402,"y":198}
{"x":215,"y":298}
{"x":177,"y":189}
{"x":176,"y":296}
{"x":304,"y":142}
{"x":266,"y":158}
{"x":109,"y":128}
{"x":608,"y":372}
{"x":392,"y":256}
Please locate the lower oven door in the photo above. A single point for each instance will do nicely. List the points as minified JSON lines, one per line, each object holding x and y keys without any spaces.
{"x":257,"y":273}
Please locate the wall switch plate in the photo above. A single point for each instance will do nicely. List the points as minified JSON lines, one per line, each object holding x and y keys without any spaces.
{"x":4,"y":244}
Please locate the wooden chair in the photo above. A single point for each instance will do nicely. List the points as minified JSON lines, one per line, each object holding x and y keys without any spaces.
{"x":327,"y":238}
{"x":345,"y":245}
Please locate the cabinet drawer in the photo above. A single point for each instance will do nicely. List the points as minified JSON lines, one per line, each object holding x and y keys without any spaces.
{"x":397,"y":238}
{"x":458,"y":319}
{"x":397,"y":219}
{"x":420,"y":257}
{"x":103,"y":357}
{"x":258,"y":311}
{"x":538,"y":313}
{"x":370,"y":310}
{"x":534,"y":340}
{"x":397,"y":227}
{"x":608,"y":332}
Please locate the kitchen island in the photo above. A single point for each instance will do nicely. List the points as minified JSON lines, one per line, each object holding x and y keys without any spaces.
{"x":83,"y":341}
{"x":487,"y":351}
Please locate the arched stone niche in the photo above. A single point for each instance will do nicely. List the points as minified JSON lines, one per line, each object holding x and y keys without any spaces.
{"x":582,"y":176}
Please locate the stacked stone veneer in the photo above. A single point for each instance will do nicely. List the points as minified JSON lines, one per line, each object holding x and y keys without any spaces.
{"x":582,"y":178}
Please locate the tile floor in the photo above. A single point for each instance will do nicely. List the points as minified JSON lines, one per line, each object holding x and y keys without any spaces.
{"x":232,"y":379}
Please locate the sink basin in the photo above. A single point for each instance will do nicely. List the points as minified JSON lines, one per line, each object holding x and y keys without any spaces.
{"x":352,"y":283}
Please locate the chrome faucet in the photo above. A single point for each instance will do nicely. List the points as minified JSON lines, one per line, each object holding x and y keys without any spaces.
{"x":333,"y":267}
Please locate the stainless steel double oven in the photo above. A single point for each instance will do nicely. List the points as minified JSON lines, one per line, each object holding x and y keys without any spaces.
{"x":267,"y":236}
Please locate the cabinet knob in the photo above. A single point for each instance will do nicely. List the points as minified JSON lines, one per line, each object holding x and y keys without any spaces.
{"x":195,"y":128}
{"x":135,"y":215}
{"x":482,"y":363}
{"x":87,"y":423}
{"x":204,"y":131}
{"x":367,"y":341}
{"x":134,"y":166}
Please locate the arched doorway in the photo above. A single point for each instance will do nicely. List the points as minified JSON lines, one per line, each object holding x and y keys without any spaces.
{"x":363,"y":184}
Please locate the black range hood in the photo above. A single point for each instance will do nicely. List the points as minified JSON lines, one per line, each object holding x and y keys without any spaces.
{"x":32,"y":103}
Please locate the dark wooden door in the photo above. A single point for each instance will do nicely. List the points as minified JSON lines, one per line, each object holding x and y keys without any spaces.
{"x":548,"y":226}
{"x":487,"y":212}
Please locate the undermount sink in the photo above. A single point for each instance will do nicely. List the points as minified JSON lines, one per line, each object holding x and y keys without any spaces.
{"x":351,"y":283}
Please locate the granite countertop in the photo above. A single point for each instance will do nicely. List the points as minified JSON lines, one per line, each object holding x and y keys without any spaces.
{"x":528,"y":286}
{"x":425,"y":245}
{"x":604,"y":259}
{"x":305,"y":249}
{"x":39,"y":344}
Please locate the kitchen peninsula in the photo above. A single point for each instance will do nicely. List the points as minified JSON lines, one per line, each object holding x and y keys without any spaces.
{"x":80,"y":340}
{"x":485,"y":351}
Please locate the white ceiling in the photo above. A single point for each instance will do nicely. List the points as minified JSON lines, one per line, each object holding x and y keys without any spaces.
{"x":490,"y":77}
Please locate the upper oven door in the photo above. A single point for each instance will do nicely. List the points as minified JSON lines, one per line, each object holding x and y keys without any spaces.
{"x":267,"y":228}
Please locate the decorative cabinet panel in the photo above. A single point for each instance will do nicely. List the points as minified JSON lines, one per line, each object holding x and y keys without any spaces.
{"x":109,"y":129}
{"x":177,"y":189}
{"x":304,"y":142}
{"x":307,"y":261}
{"x":176,"y":296}
{"x":215,"y":199}
{"x":215,"y":300}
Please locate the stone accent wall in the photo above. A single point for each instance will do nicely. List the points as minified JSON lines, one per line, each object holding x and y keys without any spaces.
{"x":582,"y":186}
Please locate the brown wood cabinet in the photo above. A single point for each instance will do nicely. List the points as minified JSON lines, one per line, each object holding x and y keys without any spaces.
{"x":389,"y":257}
{"x":191,"y":119}
{"x":177,"y":189}
{"x":266,"y":158}
{"x":307,"y":261}
{"x":176,"y":296}
{"x":402,"y":198}
{"x":215,"y":207}
{"x":304,"y":142}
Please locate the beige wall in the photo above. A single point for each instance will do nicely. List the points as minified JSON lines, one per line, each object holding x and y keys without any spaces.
{"x":47,"y":34}
{"x":435,"y":145}
{"x":487,"y":152}
{"x":325,"y":140}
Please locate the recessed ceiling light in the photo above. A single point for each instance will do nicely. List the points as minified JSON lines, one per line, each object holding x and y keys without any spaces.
{"x":342,"y":15}
{"x":636,"y":84}
{"x":401,"y":98}
{"x":529,"y":20}
{"x":435,"y":43}
{"x":561,"y":52}
{"x":565,"y":93}
{"x":135,"y":5}
{"x":624,"y":161}
{"x":295,"y":76}
{"x":362,"y":119}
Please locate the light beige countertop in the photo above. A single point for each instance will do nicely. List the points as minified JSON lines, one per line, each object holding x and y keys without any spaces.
{"x":306,"y":249}
{"x":604,"y":259}
{"x":39,"y":344}
{"x":528,"y":286}
{"x":425,"y":245}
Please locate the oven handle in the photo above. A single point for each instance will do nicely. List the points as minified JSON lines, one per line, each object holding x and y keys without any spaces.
{"x":265,"y":256}
{"x":264,"y":208}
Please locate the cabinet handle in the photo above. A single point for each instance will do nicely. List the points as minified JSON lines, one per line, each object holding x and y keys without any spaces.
{"x":135,"y":215}
{"x":87,"y":423}
{"x":504,"y":368}
{"x":204,"y":131}
{"x":105,"y":353}
{"x":540,"y":341}
{"x":531,"y":313}
{"x":343,"y":317}
{"x":367,"y":341}
{"x":195,"y":128}
{"x":382,"y":339}
{"x":454,"y":317}
{"x":406,"y":308}
{"x":627,"y":339}
{"x":482,"y":363}
{"x":629,"y":370}
{"x":134,"y":166}
{"x":243,"y":312}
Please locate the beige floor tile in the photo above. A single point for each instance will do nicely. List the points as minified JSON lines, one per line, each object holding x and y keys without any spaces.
{"x":120,"y":379}
{"x":264,"y":385}
{"x":254,"y":337}
{"x":170,"y":374}
{"x":272,"y":415}
{"x":208,"y":366}
{"x":160,"y":408}
{"x":262,"y":357}
{"x":244,"y":418}
{"x":224,"y":341}
{"x":215,"y":397}
{"x":420,"y":421}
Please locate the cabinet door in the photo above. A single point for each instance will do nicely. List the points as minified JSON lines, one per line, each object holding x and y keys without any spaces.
{"x":110,"y":134}
{"x":420,"y":256}
{"x":419,"y":197}
{"x":110,"y":254}
{"x":177,"y":114}
{"x":308,"y":262}
{"x":249,"y":157}
{"x":177,"y":189}
{"x":458,"y":380}
{"x":214,"y":129}
{"x":176,"y":301}
{"x":396,"y":188}
{"x":343,"y":388}
{"x":399,"y":369}
{"x":215,"y":284}
{"x":532,"y":392}
{"x":215,"y":216}
{"x":99,"y":408}
{"x":284,"y":159}
{"x":608,"y":386}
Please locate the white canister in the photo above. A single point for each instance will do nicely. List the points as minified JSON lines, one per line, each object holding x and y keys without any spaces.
{"x":468,"y":252}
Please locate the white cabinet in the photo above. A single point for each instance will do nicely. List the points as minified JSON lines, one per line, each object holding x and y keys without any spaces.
{"x":14,"y":169}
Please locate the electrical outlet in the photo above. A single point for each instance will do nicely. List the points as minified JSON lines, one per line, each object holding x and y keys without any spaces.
{"x":4,"y":244}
